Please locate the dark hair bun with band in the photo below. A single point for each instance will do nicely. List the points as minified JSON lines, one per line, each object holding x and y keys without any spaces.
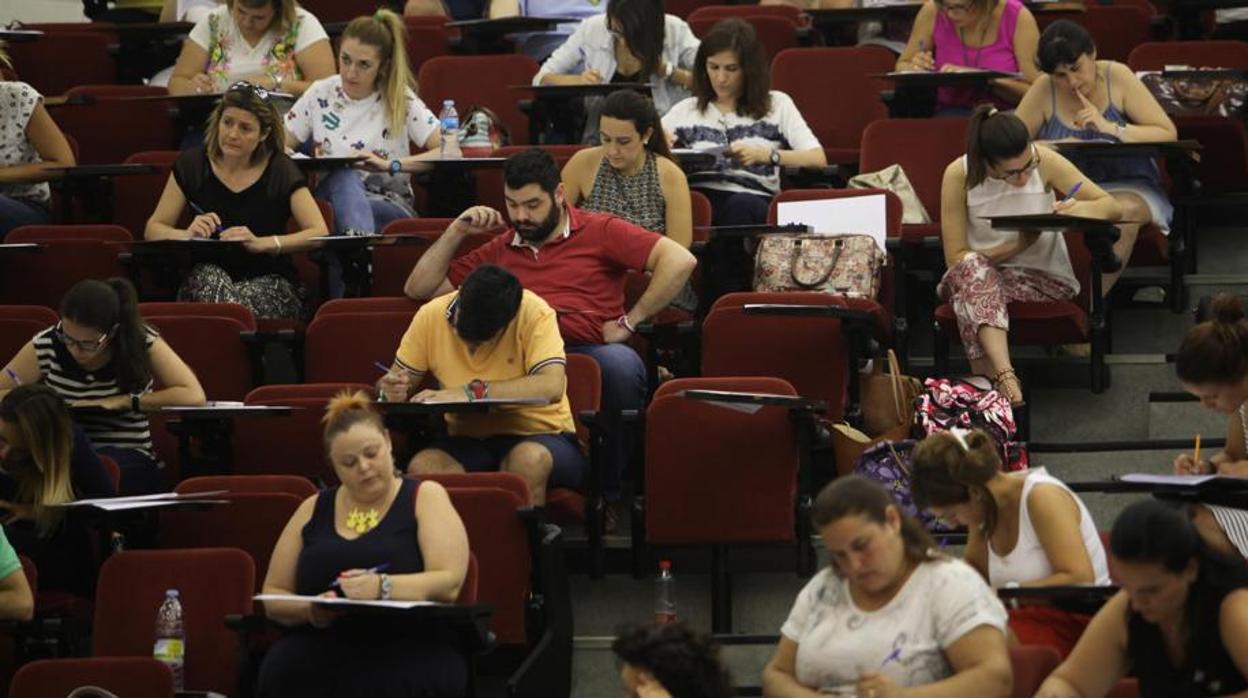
{"x":1216,"y":351}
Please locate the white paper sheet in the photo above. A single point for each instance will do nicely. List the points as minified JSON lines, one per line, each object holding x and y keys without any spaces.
{"x":375,"y":603}
{"x":852,"y":215}
{"x":1183,"y":480}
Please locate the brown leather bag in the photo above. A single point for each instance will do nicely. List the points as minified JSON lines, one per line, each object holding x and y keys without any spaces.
{"x":887,"y":398}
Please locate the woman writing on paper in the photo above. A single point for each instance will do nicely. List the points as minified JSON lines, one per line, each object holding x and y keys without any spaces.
{"x":374,"y":536}
{"x":1004,"y":173}
{"x":1212,"y":364}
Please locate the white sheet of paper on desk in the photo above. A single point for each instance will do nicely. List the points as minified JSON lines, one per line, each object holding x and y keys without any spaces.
{"x":504,"y":401}
{"x":850,"y":215}
{"x":1184,"y":480}
{"x":138,"y":500}
{"x":336,"y":601}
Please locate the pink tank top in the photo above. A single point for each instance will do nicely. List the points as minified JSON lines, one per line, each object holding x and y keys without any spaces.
{"x":999,"y":55}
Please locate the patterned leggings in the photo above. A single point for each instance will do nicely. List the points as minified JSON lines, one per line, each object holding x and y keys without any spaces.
{"x":980,"y":292}
{"x":269,"y":297}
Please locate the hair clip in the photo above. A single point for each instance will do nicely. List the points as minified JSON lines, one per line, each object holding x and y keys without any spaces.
{"x":960,"y":435}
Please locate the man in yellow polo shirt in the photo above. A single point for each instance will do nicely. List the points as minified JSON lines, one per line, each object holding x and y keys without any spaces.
{"x":492,"y":339}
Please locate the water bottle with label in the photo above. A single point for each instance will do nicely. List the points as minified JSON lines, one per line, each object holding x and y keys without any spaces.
{"x":665,"y":594}
{"x":449,"y":119}
{"x":171,"y":637}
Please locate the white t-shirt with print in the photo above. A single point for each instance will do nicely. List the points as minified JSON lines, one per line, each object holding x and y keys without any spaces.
{"x":782,"y":128}
{"x":942,"y":601}
{"x":238,"y":59}
{"x":17,"y":105}
{"x":339,"y":126}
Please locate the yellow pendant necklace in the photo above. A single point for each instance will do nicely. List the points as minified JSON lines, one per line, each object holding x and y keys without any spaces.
{"x":362,"y":521}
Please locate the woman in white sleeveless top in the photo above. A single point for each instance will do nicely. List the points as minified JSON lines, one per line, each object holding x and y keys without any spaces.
{"x":1024,"y":529}
{"x":1004,"y":173}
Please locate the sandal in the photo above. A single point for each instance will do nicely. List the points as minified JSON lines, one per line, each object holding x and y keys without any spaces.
{"x":1007,"y":383}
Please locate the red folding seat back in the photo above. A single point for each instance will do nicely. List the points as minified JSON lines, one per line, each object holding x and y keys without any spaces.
{"x":212,"y":583}
{"x":706,"y":464}
{"x":499,"y":539}
{"x":923,"y":148}
{"x":685,"y":8}
{"x":424,"y":43}
{"x":1032,"y":664}
{"x":339,"y":10}
{"x":299,"y":487}
{"x":342,"y":348}
{"x":122,"y":676}
{"x":472,"y":583}
{"x":775,"y":33}
{"x":233,"y":311}
{"x":809,"y":75}
{"x":811,"y":354}
{"x":484,"y":479}
{"x":378,"y":304}
{"x":113,"y":126}
{"x":58,"y":61}
{"x":791,"y":13}
{"x":19,"y":324}
{"x":481,"y":81}
{"x":291,"y":446}
{"x":135,"y":196}
{"x":213,"y":347}
{"x":69,"y":254}
{"x":251,"y":522}
{"x":392,"y":264}
{"x":1116,"y":29}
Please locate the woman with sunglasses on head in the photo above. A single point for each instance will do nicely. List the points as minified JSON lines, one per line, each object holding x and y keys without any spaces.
{"x":273,"y":43}
{"x":1081,"y":98}
{"x":244,"y":189}
{"x":752,"y":129}
{"x":959,"y":35}
{"x":633,"y":42}
{"x":1004,"y":173}
{"x":103,"y":359}
{"x":369,"y":109}
{"x":46,"y":461}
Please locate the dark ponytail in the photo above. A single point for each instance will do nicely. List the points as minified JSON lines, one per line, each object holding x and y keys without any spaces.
{"x":112,"y":308}
{"x":1216,"y":351}
{"x":992,"y":136}
{"x":627,"y":105}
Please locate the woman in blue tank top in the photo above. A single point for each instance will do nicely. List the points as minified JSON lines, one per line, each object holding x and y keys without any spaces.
{"x":1081,"y":98}
{"x":375,"y":536}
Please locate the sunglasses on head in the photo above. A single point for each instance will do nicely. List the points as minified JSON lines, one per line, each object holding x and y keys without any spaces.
{"x":250,"y":88}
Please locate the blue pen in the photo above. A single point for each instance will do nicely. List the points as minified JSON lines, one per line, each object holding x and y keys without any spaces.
{"x":337,"y":583}
{"x":1073,"y":190}
{"x":195,"y":207}
{"x":893,"y":656}
{"x":381,"y":367}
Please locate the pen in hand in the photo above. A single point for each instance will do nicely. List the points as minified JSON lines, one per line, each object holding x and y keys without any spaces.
{"x":1071,"y":194}
{"x":1196,"y":453}
{"x":216,"y":232}
{"x":337,"y":583}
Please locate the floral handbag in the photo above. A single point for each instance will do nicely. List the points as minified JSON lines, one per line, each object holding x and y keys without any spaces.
{"x":843,"y":265}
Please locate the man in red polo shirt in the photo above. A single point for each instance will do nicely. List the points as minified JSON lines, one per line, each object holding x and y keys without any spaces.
{"x":575,"y":260}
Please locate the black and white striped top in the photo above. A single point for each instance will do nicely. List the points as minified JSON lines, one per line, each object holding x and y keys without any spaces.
{"x":125,"y":429}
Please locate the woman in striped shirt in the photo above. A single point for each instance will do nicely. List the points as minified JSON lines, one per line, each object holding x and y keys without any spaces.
{"x":105,"y":363}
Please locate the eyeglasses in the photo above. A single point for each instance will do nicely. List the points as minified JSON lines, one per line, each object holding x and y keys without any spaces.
{"x":89,"y":346}
{"x":1031,"y":165}
{"x":250,"y":87}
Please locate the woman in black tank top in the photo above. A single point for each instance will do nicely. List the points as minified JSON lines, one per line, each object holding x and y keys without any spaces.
{"x":1179,"y":624}
{"x":375,"y":536}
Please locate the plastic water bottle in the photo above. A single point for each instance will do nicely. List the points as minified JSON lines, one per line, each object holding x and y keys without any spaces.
{"x":171,"y":637}
{"x":665,"y":594}
{"x":450,"y":128}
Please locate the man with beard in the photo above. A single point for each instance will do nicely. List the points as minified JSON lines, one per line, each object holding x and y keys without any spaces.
{"x":491,"y":339}
{"x":576,"y":261}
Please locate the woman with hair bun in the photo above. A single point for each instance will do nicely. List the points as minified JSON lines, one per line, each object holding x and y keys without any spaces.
{"x":1212,"y":364}
{"x":1024,"y":529}
{"x":376,"y":535}
{"x":1005,"y":173}
{"x":890,"y":613}
{"x":102,"y":355}
{"x":1179,"y":624}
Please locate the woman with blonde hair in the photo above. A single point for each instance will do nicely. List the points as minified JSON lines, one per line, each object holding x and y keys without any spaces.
{"x":376,"y":535}
{"x":244,"y":189}
{"x":368,"y":110}
{"x":1023,"y":529}
{"x":46,"y":461}
{"x":272,"y":43}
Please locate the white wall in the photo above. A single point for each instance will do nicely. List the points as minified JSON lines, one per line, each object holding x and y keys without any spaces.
{"x":41,"y":11}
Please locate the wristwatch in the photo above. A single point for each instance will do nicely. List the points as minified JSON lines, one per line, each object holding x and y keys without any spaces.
{"x":396,"y":166}
{"x":385,"y":587}
{"x":134,"y":402}
{"x":477,"y":389}
{"x":775,"y":157}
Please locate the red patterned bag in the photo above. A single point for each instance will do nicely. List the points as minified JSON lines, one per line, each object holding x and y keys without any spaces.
{"x":843,"y":265}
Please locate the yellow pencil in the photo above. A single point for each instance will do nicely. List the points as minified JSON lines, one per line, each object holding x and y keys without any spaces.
{"x":1196,"y":457}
